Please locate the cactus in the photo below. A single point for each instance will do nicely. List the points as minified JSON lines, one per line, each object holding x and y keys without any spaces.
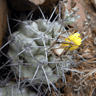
{"x":32,"y":46}
{"x":41,"y":51}
{"x":33,"y":51}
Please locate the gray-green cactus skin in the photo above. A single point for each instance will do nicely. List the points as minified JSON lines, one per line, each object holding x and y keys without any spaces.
{"x":29,"y":51}
{"x":12,"y":90}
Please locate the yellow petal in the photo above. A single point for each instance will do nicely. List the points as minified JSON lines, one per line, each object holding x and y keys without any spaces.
{"x":72,"y":39}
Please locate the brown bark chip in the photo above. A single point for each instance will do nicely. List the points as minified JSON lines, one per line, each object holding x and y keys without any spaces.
{"x":3,"y":19}
{"x":94,"y":3}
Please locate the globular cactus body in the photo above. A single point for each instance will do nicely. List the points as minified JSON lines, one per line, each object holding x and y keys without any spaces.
{"x":30,"y":47}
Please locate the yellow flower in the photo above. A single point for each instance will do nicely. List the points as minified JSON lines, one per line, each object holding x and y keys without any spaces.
{"x":73,"y":42}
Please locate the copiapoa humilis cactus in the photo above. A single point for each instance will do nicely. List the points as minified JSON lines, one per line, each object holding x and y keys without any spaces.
{"x":40,"y":50}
